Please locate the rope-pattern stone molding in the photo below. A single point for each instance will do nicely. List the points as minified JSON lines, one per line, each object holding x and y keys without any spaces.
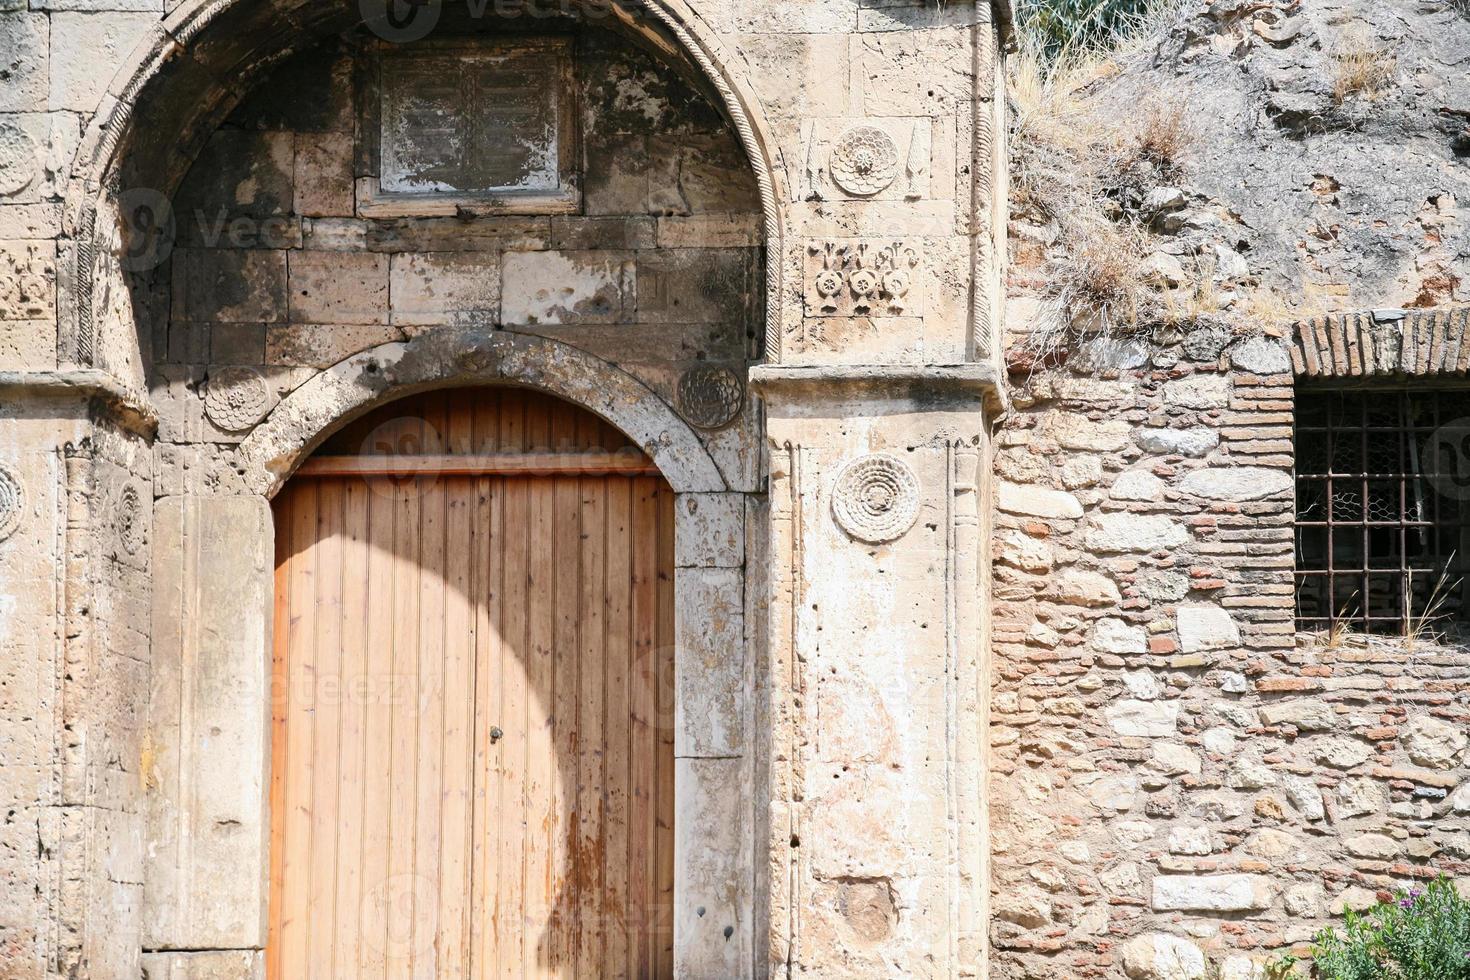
{"x":1382,"y":343}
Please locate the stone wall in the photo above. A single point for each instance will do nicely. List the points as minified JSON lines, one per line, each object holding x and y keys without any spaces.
{"x":1175,"y":776}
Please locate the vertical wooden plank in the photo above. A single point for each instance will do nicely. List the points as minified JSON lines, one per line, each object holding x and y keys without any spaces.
{"x":617,"y":725}
{"x":352,"y":805}
{"x":510,"y":909}
{"x":458,"y":693}
{"x":567,"y":532}
{"x":590,"y":853}
{"x":378,"y":787}
{"x":489,"y":712}
{"x":280,"y":705}
{"x":664,"y":808}
{"x":428,"y":850}
{"x":542,"y":820}
{"x":643,"y":752}
{"x":326,"y":683}
{"x":398,"y":901}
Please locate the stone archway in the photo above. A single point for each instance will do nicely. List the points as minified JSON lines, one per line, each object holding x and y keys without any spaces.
{"x":196,"y":66}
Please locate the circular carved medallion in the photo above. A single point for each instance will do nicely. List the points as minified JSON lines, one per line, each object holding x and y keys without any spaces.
{"x":236,"y":398}
{"x":876,"y":498}
{"x":864,"y":161}
{"x":129,"y":518}
{"x":12,"y":502}
{"x":710,"y":397}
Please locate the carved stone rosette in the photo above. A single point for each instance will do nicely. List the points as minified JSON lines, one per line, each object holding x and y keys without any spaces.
{"x":876,"y":498}
{"x":710,"y":397}
{"x":131,"y":533}
{"x":12,"y":502}
{"x":864,"y":161}
{"x":235,"y":399}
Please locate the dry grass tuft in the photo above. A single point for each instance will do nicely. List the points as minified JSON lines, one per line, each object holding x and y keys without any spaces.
{"x":1164,"y":135}
{"x":1365,"y":68}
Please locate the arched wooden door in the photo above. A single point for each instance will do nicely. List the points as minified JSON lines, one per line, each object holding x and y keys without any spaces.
{"x":472,"y":758}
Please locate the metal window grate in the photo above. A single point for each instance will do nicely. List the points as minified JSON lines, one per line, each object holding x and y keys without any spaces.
{"x":1382,"y":508}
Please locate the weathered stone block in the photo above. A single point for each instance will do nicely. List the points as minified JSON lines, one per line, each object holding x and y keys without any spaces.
{"x":694,"y":285}
{"x":244,"y":964}
{"x":1161,"y":957}
{"x":1434,"y":743}
{"x":1084,"y":588}
{"x":213,"y":285}
{"x":1206,"y":628}
{"x":338,"y":287}
{"x":709,"y":621}
{"x":86,"y":49}
{"x":1138,"y":533}
{"x":709,"y":530}
{"x":239,"y":173}
{"x":27,"y":280}
{"x":1137,"y":485}
{"x":1211,"y":893}
{"x":1237,"y":483}
{"x":458,"y":288}
{"x":320,"y":345}
{"x":1196,"y":441}
{"x":1155,"y":719}
{"x":207,"y":830}
{"x":712,"y":883}
{"x":1037,"y":501}
{"x":1308,"y":715}
{"x":551,"y":288}
{"x":1116,"y":636}
{"x":324,"y":184}
{"x":1072,"y":430}
{"x":24,"y":60}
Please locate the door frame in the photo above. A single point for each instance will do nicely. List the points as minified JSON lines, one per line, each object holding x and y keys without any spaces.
{"x":719,"y":525}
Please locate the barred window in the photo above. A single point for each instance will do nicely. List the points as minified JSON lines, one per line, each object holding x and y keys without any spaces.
{"x":1382,"y":508}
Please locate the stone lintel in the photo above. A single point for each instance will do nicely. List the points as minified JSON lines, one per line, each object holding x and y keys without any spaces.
{"x":942,"y":386}
{"x":109,"y":397}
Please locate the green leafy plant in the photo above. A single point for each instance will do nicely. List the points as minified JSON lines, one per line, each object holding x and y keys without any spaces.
{"x":1062,"y":25}
{"x":1422,"y":934}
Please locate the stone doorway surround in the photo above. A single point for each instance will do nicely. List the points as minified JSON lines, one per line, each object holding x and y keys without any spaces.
{"x":212,"y":554}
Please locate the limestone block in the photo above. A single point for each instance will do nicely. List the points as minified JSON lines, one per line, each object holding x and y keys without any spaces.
{"x":1173,"y":759}
{"x":1022,"y":551}
{"x":1152,"y":719}
{"x":1211,"y":893}
{"x":1355,"y":898}
{"x":551,"y":288}
{"x":1261,"y":355}
{"x":86,"y":50}
{"x":711,"y":868}
{"x":320,"y":345}
{"x":798,"y":17}
{"x":1084,"y":588}
{"x":23,"y":59}
{"x":799,"y":75}
{"x":338,"y":287}
{"x":1206,"y":628}
{"x":1161,"y":957}
{"x":1026,"y":907}
{"x":694,"y":285}
{"x":334,"y":235}
{"x":915,"y":73}
{"x":324,"y":180}
{"x":218,"y":285}
{"x":1075,"y":431}
{"x":709,"y":530}
{"x":239,"y":174}
{"x":1304,"y":900}
{"x":1460,"y":799}
{"x":1379,"y":847}
{"x":1142,"y":684}
{"x":1341,"y":752}
{"x":36,"y":220}
{"x":1307,"y":714}
{"x":1116,"y":636}
{"x":1191,"y":840}
{"x":1137,"y":485}
{"x":27,"y":280}
{"x":1361,"y":796}
{"x":1433,"y":743}
{"x":1304,"y":794}
{"x":1134,"y":533}
{"x":1242,"y":968}
{"x":445,"y":287}
{"x":242,"y":964}
{"x":709,"y":705}
{"x":692,"y":173}
{"x":207,"y":829}
{"x":1238,"y":483}
{"x":25,"y":144}
{"x":1196,"y":441}
{"x":1163,"y":586}
{"x":1034,"y":501}
{"x":1199,"y":391}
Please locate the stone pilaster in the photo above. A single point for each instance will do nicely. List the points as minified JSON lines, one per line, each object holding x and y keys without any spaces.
{"x":877,"y":676}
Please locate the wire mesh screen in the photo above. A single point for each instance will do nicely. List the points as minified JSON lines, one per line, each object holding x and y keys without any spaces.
{"x":1382,"y":509}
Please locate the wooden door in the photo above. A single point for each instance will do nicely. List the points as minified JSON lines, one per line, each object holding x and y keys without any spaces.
{"x":472,"y":759}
